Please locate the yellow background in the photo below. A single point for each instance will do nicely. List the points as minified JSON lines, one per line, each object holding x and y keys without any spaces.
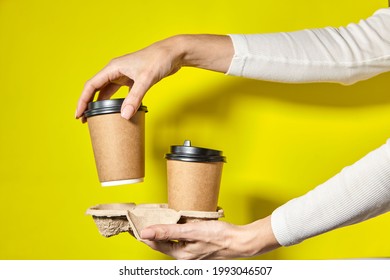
{"x":280,"y":140}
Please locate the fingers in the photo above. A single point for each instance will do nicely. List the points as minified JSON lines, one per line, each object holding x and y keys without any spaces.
{"x":163,"y":232}
{"x":108,"y":83}
{"x":96,"y":83}
{"x":169,"y":248}
{"x":133,"y":100}
{"x":188,"y":232}
{"x":108,"y":91}
{"x":89,"y":90}
{"x":198,"y":240}
{"x":177,"y":250}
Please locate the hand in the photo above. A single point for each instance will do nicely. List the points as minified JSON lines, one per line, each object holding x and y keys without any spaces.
{"x":142,"y":69}
{"x":211,"y":239}
{"x":139,"y":71}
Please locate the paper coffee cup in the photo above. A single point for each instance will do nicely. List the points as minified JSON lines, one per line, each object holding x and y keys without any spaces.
{"x":118,"y":144}
{"x":194,"y":178}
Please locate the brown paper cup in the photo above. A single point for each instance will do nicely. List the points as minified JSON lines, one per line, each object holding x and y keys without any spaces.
{"x":194,"y":178}
{"x":193,"y":186}
{"x":118,"y":147}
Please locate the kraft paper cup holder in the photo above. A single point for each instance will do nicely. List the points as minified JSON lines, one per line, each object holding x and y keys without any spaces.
{"x":115,"y":218}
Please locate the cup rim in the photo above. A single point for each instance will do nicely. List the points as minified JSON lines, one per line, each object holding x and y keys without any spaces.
{"x":108,"y":106}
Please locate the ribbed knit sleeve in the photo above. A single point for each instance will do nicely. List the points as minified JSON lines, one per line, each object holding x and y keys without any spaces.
{"x":343,"y":55}
{"x":359,"y":192}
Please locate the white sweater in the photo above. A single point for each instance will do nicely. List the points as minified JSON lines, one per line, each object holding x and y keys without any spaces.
{"x":344,"y":55}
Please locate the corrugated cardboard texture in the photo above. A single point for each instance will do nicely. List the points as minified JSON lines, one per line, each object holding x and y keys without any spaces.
{"x":193,"y":185}
{"x":119,"y":146}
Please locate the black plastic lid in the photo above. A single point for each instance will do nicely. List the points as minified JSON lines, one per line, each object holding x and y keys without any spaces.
{"x":108,"y":106}
{"x":194,"y":154}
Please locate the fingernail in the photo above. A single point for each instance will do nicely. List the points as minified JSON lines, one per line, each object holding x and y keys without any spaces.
{"x":127,"y":112}
{"x":147,"y":234}
{"x":75,"y":114}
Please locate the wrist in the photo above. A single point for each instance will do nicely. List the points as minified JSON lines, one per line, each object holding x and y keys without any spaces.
{"x":260,"y":237}
{"x":212,"y":52}
{"x":178,"y":47}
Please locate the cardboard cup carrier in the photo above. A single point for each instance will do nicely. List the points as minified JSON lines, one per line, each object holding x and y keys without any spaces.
{"x":118,"y":144}
{"x":194,"y":177}
{"x":114,"y":218}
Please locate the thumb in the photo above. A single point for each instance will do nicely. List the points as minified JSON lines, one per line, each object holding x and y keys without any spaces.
{"x":162,"y":232}
{"x":148,"y":233}
{"x":133,"y":100}
{"x":168,"y":232}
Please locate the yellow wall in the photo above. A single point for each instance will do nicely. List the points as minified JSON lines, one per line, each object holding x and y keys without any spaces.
{"x":280,"y":140}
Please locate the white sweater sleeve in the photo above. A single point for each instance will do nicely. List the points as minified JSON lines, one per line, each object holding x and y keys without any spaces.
{"x":344,"y":55}
{"x":359,"y":192}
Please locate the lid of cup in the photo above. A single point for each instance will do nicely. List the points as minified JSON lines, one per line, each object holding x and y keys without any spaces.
{"x":108,"y":106}
{"x":186,"y":152}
